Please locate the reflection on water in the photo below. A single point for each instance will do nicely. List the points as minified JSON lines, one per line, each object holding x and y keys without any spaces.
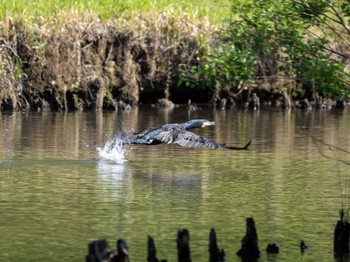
{"x":110,"y":171}
{"x":58,"y":192}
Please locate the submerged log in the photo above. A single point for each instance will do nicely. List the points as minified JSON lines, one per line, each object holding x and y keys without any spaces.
{"x":249,"y":249}
{"x":272,"y":249}
{"x":183,"y":246}
{"x":215,"y":254}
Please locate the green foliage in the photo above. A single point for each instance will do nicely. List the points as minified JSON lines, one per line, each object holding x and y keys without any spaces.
{"x":311,"y":9}
{"x":270,"y":39}
{"x":225,"y":65}
{"x":18,"y":69}
{"x":345,"y":8}
{"x":316,"y":69}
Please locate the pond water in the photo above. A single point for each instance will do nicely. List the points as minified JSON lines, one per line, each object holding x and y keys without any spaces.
{"x":60,"y":189}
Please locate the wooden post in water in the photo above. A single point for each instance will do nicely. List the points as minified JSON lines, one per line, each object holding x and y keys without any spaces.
{"x":183,"y":246}
{"x":341,"y":235}
{"x":99,"y":251}
{"x":215,"y":254}
{"x":249,"y":249}
{"x":123,"y":252}
{"x":152,"y":251}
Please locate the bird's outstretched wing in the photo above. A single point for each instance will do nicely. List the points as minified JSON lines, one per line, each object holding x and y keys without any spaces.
{"x":153,"y":136}
{"x":187,"y":138}
{"x":176,"y":134}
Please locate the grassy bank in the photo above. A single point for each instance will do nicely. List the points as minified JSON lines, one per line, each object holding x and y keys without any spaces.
{"x":74,"y":55}
{"x":111,"y":9}
{"x":98,"y":54}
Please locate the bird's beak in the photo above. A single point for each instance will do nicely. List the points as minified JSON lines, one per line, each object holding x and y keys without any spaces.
{"x":208,"y":124}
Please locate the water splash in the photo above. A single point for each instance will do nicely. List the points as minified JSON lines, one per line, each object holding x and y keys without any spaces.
{"x":113,"y":150}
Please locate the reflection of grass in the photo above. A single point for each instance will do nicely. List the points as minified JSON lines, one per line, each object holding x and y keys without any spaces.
{"x":38,"y":9}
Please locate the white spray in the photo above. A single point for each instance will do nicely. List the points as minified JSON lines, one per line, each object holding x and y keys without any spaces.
{"x":113,"y":150}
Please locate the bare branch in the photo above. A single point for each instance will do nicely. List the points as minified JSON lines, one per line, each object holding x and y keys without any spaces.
{"x":329,"y":48}
{"x":338,"y":15}
{"x":319,"y":142}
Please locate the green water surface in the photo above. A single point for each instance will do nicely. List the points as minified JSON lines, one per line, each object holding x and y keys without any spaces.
{"x":57,"y":194}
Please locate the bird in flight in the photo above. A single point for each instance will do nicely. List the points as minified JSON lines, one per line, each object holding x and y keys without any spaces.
{"x":179,"y":134}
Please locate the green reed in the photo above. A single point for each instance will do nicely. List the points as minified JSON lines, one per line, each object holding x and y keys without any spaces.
{"x":109,"y":9}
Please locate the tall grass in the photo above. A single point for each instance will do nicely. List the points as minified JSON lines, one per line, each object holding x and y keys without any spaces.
{"x":110,"y":9}
{"x":88,"y":50}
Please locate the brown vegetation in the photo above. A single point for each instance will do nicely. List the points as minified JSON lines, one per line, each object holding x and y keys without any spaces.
{"x":93,"y":65}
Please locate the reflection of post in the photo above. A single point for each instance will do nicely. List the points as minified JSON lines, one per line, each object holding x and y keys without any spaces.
{"x":8,"y":124}
{"x":99,"y":126}
{"x":130,"y":121}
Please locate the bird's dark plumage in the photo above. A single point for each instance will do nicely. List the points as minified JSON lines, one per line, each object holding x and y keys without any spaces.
{"x":179,"y":134}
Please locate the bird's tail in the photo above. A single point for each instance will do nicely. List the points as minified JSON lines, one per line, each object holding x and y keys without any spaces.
{"x":238,"y":147}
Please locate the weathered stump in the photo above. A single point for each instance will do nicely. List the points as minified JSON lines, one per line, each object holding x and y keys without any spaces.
{"x":215,"y":254}
{"x":152,"y":251}
{"x":99,"y":251}
{"x":123,"y":252}
{"x":254,"y":102}
{"x":249,"y":249}
{"x":183,"y":246}
{"x":272,"y":249}
{"x":341,"y":237}
{"x":303,"y":246}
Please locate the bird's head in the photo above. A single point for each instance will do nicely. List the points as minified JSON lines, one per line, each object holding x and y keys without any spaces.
{"x":198,"y":123}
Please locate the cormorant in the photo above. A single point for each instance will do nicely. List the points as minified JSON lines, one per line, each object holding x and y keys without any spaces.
{"x":178,"y":134}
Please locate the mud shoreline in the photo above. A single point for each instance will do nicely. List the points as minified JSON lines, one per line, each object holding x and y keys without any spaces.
{"x":82,"y":66}
{"x":95,"y":65}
